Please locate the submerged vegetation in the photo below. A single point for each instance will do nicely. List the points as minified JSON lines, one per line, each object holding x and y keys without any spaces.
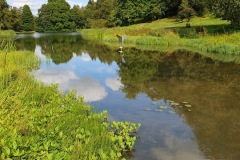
{"x":38,"y":122}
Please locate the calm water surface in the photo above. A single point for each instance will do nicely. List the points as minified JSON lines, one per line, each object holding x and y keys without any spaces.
{"x":133,"y":86}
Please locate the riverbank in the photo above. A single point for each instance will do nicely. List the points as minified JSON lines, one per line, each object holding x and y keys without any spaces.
{"x":7,"y":33}
{"x":208,"y":35}
{"x":38,"y":122}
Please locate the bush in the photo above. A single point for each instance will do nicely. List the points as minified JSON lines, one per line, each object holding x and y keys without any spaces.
{"x":186,"y":32}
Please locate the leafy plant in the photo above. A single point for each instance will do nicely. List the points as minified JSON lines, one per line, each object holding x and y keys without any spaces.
{"x":125,"y":134}
{"x":37,"y":122}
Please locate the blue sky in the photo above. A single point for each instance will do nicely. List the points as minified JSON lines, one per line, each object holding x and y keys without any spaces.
{"x":36,"y":4}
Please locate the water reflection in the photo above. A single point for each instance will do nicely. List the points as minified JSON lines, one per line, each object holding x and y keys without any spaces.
{"x":114,"y":83}
{"x":89,"y":88}
{"x":126,"y":84}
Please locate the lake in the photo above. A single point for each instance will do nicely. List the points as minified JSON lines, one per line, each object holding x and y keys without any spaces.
{"x":188,"y":105}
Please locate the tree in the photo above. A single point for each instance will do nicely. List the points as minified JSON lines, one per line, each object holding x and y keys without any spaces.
{"x":226,"y":9}
{"x":77,"y":16}
{"x":127,"y":12}
{"x":199,"y":6}
{"x":27,"y":19}
{"x":56,"y":16}
{"x":185,"y":12}
{"x":4,"y":10}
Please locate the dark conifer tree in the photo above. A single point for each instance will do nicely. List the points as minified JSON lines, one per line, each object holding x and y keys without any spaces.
{"x":27,"y":19}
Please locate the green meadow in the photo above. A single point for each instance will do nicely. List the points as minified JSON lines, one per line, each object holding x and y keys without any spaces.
{"x":39,"y":122}
{"x":206,"y":35}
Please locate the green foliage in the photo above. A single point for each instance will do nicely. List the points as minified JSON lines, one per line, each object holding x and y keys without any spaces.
{"x":199,"y":6}
{"x":10,"y":18}
{"x":56,"y":16}
{"x":7,"y":33}
{"x":27,"y":19}
{"x":124,"y":134}
{"x":186,"y":32}
{"x":122,"y":13}
{"x":4,"y":8}
{"x":226,"y":9}
{"x":185,"y":12}
{"x":37,"y":122}
{"x":203,"y":36}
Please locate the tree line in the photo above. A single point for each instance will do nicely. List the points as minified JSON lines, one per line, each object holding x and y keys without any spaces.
{"x":58,"y":15}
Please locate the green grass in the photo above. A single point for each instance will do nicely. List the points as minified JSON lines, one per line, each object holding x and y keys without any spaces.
{"x":7,"y":33}
{"x":38,"y":122}
{"x":218,"y":37}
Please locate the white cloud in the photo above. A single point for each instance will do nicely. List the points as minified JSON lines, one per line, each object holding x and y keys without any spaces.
{"x":33,"y":4}
{"x":114,"y":83}
{"x":72,"y":3}
{"x":90,"y":89}
{"x":51,"y":76}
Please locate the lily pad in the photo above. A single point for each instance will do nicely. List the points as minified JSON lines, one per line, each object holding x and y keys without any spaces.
{"x":158,"y":110}
{"x":175,"y":104}
{"x":188,"y":105}
{"x":163,"y":107}
{"x":171,"y":112}
{"x":147,"y":109}
{"x":155,"y":102}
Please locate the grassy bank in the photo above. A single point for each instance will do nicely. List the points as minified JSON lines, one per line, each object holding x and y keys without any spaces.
{"x":208,"y":35}
{"x":7,"y":33}
{"x":38,"y":122}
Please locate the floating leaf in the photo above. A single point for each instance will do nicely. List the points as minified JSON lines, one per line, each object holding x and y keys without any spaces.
{"x":189,"y":110}
{"x":171,"y":112}
{"x":155,"y":102}
{"x":147,"y":109}
{"x":175,"y":104}
{"x":163,"y":107}
{"x":158,"y":110}
{"x":188,"y":105}
{"x":185,"y":102}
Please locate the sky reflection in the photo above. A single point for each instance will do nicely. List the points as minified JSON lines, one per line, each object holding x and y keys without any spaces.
{"x":91,"y":89}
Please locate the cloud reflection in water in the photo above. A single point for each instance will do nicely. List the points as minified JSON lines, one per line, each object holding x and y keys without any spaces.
{"x":113,"y":83}
{"x":68,"y":80}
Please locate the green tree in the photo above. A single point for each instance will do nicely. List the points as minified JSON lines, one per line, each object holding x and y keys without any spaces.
{"x":15,"y":19}
{"x":4,"y":10}
{"x":199,"y":6}
{"x":185,"y":11}
{"x":56,"y":16}
{"x":77,"y":16}
{"x":127,"y":12}
{"x":27,"y":19}
{"x":226,"y":9}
